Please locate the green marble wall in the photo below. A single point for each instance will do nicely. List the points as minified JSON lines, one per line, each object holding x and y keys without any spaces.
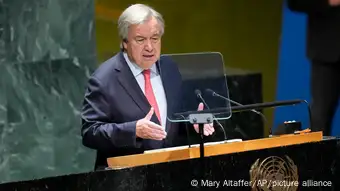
{"x":47,"y":51}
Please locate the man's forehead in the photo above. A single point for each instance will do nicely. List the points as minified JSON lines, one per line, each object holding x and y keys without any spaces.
{"x":145,"y":31}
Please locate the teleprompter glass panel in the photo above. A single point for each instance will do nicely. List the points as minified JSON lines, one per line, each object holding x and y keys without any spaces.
{"x":203,"y":81}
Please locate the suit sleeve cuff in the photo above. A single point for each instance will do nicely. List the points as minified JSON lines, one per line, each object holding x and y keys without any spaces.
{"x":126,"y":135}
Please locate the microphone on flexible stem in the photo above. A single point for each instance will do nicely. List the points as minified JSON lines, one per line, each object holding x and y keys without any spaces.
{"x":213,"y":93}
{"x":199,"y":95}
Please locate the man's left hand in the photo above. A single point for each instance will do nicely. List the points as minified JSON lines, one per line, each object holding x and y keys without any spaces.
{"x":334,"y":2}
{"x":208,"y":129}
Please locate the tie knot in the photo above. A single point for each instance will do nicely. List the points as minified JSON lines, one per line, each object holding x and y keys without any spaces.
{"x":146,"y":72}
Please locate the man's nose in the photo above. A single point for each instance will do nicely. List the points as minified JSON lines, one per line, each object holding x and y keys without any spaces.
{"x":148,"y":45}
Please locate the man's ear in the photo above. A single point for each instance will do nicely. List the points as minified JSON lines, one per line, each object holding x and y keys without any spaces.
{"x":124,"y":44}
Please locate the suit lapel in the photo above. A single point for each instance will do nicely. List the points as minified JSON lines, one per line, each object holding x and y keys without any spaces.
{"x":167,"y":85}
{"x":129,"y":83}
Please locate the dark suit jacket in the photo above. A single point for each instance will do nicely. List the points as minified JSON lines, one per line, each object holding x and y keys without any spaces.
{"x":323,"y":39}
{"x":114,"y":102}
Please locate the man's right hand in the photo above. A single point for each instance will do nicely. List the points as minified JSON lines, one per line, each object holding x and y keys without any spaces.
{"x":334,"y":2}
{"x":147,"y":129}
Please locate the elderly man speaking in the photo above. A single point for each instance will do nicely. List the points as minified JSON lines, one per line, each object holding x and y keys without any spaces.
{"x":129,"y":96}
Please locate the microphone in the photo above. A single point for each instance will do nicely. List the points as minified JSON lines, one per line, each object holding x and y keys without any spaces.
{"x":214,"y":94}
{"x":211,"y":92}
{"x":199,"y":95}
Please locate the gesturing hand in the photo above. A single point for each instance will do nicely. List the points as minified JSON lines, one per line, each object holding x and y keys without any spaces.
{"x":334,"y":2}
{"x":147,"y":129}
{"x":208,"y":129}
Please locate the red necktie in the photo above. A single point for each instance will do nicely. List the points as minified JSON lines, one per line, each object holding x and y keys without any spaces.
{"x":150,"y":95}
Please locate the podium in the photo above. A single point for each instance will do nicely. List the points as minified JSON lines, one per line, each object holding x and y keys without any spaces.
{"x":211,"y":149}
{"x":289,"y":162}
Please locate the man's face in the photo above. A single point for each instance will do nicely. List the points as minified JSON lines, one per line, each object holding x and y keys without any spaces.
{"x":143,"y":45}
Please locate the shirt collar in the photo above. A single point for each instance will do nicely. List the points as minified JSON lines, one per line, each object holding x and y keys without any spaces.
{"x":136,"y":70}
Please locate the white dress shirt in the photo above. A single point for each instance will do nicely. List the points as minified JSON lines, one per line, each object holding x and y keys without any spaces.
{"x":156,"y":83}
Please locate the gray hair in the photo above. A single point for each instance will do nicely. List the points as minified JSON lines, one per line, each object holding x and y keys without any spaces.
{"x":137,"y":14}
